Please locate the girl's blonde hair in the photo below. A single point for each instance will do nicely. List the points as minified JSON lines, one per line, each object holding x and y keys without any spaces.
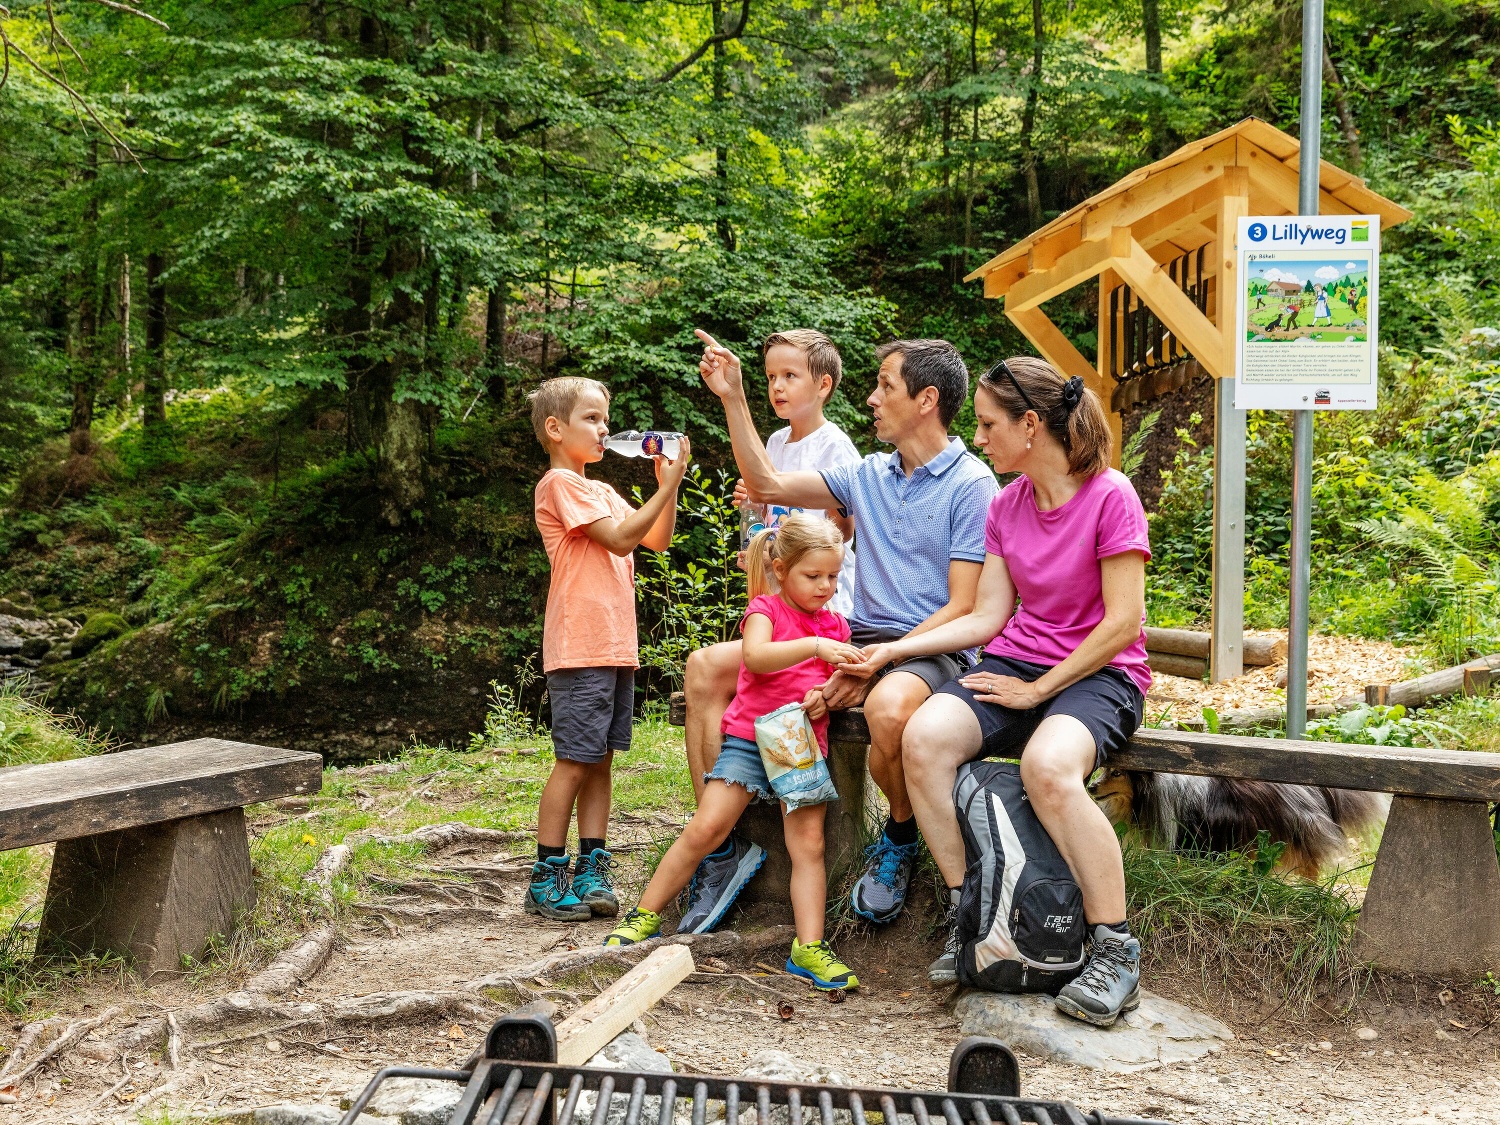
{"x":798,"y":534}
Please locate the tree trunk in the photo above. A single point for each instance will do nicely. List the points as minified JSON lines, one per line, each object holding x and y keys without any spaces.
{"x":154,"y":390}
{"x":1151,"y":26}
{"x":1341,"y":107}
{"x":494,"y":341}
{"x":1028,"y":118}
{"x":395,"y":421}
{"x":721,"y":151}
{"x":85,"y":366}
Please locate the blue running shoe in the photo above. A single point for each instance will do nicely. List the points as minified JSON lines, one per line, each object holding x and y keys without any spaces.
{"x":881,"y":891}
{"x":550,"y":894}
{"x":592,"y":886}
{"x":718,"y":882}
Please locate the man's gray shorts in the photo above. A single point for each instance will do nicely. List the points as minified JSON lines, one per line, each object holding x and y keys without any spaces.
{"x":934,"y":671}
{"x":591,"y":711}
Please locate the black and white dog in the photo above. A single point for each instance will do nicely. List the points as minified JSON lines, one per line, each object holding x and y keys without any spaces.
{"x":1181,"y":812}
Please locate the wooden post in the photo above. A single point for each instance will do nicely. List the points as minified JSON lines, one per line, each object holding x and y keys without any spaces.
{"x":153,"y":894}
{"x":1227,"y":658}
{"x":1108,"y":281}
{"x":1433,"y":905}
{"x":1378,"y":695}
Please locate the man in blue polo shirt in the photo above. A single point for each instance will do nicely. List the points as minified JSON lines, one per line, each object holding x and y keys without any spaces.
{"x":919,"y":519}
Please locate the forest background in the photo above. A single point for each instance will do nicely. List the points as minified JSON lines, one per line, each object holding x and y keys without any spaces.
{"x":274,"y":279}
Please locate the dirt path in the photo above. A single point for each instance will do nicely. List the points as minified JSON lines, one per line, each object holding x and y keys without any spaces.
{"x":896,"y":1031}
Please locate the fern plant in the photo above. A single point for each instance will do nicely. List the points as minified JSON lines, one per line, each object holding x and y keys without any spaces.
{"x":1133,"y":453}
{"x":1444,"y":527}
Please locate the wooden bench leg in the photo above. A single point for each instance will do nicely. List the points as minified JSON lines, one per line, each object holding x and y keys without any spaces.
{"x":843,"y":828}
{"x":1433,"y":905}
{"x":151,"y":894}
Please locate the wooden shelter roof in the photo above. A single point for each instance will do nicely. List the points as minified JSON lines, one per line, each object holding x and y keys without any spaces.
{"x":1168,"y":206}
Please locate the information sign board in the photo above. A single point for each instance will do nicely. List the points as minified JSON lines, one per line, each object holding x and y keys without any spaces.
{"x":1308,"y":312}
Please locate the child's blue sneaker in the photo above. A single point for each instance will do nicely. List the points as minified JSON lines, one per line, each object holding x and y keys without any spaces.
{"x":881,"y":891}
{"x":591,"y":885}
{"x":550,"y":895}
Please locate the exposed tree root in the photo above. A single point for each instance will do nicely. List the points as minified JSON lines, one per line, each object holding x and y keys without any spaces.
{"x":321,"y":877}
{"x":18,"y":1068}
{"x":440,"y":837}
{"x":566,"y":962}
{"x":291,"y":967}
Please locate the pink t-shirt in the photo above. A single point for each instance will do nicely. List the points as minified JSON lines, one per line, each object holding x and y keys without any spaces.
{"x":758,"y":695}
{"x":1053,"y":558}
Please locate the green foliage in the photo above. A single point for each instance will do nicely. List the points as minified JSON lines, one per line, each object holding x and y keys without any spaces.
{"x":1381,"y":726}
{"x":1133,"y":454}
{"x":693,"y":594}
{"x":1229,"y":920}
{"x":1447,"y":528}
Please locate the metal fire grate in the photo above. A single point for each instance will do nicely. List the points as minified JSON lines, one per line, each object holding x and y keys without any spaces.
{"x":516,"y":1081}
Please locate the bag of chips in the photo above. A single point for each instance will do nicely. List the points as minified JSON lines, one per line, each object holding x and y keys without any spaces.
{"x":789,"y":751}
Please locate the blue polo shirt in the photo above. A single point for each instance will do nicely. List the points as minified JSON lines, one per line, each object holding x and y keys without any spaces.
{"x":910,"y":529}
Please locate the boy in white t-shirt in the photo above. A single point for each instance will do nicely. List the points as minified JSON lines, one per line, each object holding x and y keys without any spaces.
{"x":803,"y":369}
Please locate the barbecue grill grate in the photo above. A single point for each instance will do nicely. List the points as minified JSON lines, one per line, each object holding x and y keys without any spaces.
{"x":516,"y":1082}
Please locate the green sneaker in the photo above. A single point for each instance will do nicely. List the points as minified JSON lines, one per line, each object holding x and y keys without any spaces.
{"x":818,"y":963}
{"x":638,"y":926}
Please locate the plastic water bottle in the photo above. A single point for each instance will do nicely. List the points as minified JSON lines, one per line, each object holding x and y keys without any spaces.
{"x":633,"y":443}
{"x":752,"y":523}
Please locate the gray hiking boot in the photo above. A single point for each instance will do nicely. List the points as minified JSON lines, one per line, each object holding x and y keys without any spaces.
{"x":1110,"y":983}
{"x":881,"y":891}
{"x":718,"y":882}
{"x":945,"y":969}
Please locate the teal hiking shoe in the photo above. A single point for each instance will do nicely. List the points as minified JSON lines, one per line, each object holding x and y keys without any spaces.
{"x":591,"y":885}
{"x":550,"y":895}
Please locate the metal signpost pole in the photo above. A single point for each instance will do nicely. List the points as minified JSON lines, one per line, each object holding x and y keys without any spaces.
{"x":1302,"y":420}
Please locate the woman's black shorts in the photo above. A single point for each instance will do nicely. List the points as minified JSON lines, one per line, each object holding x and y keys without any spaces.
{"x":1108,"y":703}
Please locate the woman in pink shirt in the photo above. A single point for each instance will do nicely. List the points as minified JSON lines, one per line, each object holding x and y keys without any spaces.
{"x":1060,"y":606}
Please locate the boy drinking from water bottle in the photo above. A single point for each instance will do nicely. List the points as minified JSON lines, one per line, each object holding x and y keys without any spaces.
{"x":588,"y":637}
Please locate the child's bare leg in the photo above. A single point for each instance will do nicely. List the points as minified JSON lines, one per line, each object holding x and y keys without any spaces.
{"x":804,"y":843}
{"x":718,"y":810}
{"x":593,"y":799}
{"x":555,"y":809}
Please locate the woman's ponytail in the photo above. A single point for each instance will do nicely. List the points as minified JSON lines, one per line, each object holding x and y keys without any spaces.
{"x":1071,"y":412}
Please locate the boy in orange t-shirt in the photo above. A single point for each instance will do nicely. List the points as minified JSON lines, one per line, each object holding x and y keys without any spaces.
{"x":588,"y":637}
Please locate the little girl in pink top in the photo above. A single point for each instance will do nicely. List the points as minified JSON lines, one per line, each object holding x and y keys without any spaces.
{"x":792,"y":643}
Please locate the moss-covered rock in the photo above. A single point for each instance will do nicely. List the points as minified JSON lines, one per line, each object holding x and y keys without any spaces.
{"x":99,"y":627}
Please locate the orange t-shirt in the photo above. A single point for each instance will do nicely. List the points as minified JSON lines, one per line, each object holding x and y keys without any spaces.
{"x":590,"y":619}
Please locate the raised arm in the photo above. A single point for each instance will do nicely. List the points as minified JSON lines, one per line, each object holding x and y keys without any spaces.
{"x":651,"y":525}
{"x":721,"y":372}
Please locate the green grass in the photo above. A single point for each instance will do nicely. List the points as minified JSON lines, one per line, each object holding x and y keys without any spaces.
{"x":1242,"y":930}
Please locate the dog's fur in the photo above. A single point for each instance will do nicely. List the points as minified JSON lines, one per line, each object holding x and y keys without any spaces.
{"x":1182,"y":812}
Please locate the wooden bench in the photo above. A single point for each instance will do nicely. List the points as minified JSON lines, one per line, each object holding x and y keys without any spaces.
{"x":152,"y":856}
{"x":1433,"y":904}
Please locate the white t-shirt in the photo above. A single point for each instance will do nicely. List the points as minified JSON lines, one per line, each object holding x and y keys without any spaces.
{"x":824,"y":448}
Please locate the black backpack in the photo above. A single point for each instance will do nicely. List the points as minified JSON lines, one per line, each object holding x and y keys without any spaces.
{"x":1020,"y":913}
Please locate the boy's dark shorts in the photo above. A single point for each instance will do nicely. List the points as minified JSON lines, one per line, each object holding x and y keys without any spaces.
{"x":591,"y":711}
{"x":934,"y":671}
{"x":1108,"y":703}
